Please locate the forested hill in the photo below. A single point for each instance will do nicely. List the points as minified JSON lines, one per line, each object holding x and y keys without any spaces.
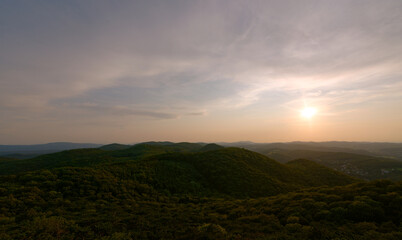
{"x":190,"y":168}
{"x":378,"y":149}
{"x":94,"y":156}
{"x":4,"y":159}
{"x":357,"y":165}
{"x":189,"y":191}
{"x":29,"y":151}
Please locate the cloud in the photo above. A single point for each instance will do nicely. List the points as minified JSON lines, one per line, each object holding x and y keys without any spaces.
{"x":92,"y":109}
{"x":254,"y":44}
{"x":196,"y":114}
{"x":165,"y":60}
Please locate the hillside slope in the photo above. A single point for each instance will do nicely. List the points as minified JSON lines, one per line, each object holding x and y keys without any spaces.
{"x":357,"y":165}
{"x":229,"y":171}
{"x":148,"y":190}
{"x":377,"y":149}
{"x":94,"y":156}
{"x":114,"y":146}
{"x":30,"y":151}
{"x":186,"y":169}
{"x":241,"y":172}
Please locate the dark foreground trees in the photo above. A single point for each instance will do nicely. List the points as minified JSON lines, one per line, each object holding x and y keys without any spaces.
{"x":138,"y":194}
{"x":94,"y":204}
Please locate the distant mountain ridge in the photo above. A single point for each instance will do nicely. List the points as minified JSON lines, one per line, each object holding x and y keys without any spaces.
{"x":393,"y":150}
{"x":92,"y":156}
{"x":364,"y":160}
{"x":29,"y":151}
{"x":379,"y":149}
{"x":47,"y":146}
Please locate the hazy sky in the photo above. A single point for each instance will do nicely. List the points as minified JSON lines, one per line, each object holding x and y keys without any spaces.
{"x":131,"y":71}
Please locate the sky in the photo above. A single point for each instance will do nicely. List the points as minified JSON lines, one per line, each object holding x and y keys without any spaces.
{"x":211,"y":71}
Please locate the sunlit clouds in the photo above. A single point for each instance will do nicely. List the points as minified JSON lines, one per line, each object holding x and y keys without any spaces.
{"x":102,"y":71}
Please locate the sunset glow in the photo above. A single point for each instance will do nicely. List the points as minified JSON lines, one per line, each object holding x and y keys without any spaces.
{"x":308,"y":112}
{"x":201,"y":119}
{"x":80,"y":71}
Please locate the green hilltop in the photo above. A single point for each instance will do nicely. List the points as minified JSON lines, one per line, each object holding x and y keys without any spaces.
{"x":163,"y":190}
{"x":114,"y":146}
{"x":186,"y":167}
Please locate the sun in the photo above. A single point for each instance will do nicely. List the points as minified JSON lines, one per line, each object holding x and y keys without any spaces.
{"x":308,"y":112}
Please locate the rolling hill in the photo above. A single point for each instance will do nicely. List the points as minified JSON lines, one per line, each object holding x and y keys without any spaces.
{"x":378,"y":149}
{"x":114,"y":146}
{"x":357,"y":165}
{"x":189,"y":191}
{"x":190,"y":168}
{"x":30,"y":151}
{"x":93,"y":156}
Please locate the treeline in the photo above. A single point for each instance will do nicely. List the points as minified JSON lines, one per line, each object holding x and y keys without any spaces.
{"x":176,"y":192}
{"x":79,"y":203}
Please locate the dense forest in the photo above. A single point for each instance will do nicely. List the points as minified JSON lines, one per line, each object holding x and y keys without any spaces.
{"x":366,"y":160}
{"x":189,"y":191}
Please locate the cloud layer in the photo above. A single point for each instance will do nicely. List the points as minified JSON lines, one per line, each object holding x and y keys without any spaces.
{"x":197,"y":64}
